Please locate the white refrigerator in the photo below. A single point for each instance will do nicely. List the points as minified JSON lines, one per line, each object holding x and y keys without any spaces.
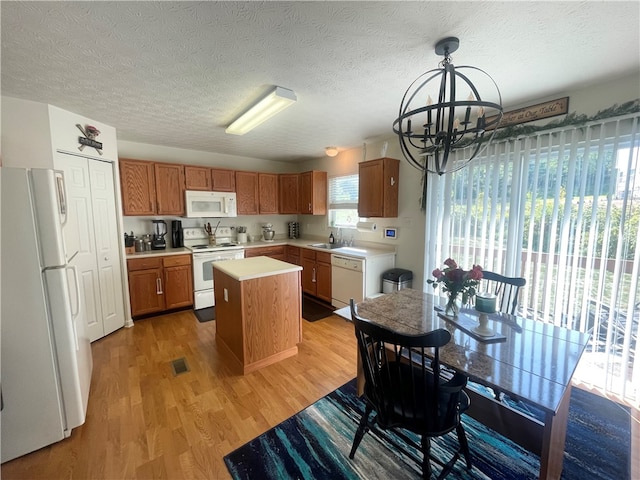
{"x":45,"y":355}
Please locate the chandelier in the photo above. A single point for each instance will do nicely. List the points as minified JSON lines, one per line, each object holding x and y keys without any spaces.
{"x":459,"y":119}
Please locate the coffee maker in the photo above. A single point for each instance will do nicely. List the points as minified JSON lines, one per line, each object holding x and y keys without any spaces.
{"x":159,"y":231}
{"x":177,"y":234}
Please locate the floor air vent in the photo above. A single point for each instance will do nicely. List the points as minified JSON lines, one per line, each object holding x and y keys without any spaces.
{"x":179,"y":366}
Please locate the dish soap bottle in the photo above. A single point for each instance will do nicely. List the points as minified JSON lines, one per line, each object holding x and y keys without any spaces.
{"x":331,"y":239}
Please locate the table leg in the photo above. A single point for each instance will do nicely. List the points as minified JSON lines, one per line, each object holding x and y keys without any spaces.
{"x":553,"y":439}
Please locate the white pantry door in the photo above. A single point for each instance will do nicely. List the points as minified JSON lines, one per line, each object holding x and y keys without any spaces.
{"x":93,"y":232}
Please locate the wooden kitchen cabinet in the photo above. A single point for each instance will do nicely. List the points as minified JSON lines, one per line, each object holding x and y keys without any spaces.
{"x":247,"y":193}
{"x":157,"y":284}
{"x":378,"y":188}
{"x":169,"y":188}
{"x":209,"y":179}
{"x":137,"y":183}
{"x":150,"y":188}
{"x":268,"y":193}
{"x":316,"y":273}
{"x":223,"y":180}
{"x":197,"y":178}
{"x":292,"y":254}
{"x":258,"y":317}
{"x":178,"y":281}
{"x":289,"y":193}
{"x":145,"y":286}
{"x":313,"y":193}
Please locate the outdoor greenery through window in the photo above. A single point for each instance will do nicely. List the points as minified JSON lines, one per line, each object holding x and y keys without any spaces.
{"x":343,"y":201}
{"x":561,"y":209}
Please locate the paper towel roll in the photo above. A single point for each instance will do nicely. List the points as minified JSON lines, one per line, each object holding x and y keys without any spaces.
{"x":366,"y":226}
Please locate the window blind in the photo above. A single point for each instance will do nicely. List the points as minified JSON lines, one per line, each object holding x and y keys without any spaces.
{"x":560,"y":208}
{"x":343,"y":192}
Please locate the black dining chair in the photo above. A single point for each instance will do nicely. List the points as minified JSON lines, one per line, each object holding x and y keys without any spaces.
{"x":506,"y":289}
{"x":405,"y":389}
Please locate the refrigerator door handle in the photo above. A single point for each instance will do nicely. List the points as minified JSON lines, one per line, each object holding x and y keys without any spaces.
{"x":62,"y":197}
{"x":76,"y":285}
{"x":75,"y":314}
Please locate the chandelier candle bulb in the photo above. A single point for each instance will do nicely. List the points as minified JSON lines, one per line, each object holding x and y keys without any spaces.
{"x":486,"y":302}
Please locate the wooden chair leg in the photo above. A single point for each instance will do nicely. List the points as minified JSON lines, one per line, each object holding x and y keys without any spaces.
{"x":426,"y":456}
{"x":362,"y":429}
{"x":464,"y":444}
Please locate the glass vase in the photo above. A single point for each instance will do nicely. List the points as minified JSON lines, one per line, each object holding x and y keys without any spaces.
{"x":452,"y":308}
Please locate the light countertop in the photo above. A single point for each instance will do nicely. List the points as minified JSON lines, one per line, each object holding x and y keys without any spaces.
{"x":254,"y":267}
{"x":160,"y":253}
{"x":359,"y":251}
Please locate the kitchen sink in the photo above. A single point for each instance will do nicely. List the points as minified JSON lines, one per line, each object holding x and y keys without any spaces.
{"x":328,"y":246}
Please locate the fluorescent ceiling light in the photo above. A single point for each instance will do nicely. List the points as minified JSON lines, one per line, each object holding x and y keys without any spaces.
{"x":275,"y":101}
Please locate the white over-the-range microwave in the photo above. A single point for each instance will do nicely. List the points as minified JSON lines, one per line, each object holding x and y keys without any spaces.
{"x":200,"y":204}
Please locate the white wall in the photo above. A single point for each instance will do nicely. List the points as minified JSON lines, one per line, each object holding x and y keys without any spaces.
{"x":158,"y":153}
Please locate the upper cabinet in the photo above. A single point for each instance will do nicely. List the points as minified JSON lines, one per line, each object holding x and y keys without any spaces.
{"x":313,"y":193}
{"x":378,"y":188}
{"x":150,"y":188}
{"x":169,"y":188}
{"x":268,"y":192}
{"x":289,"y":193}
{"x":137,"y":182}
{"x":197,"y":178}
{"x":247,"y":194}
{"x":209,"y":179}
{"x":157,"y":188}
{"x":223,"y":180}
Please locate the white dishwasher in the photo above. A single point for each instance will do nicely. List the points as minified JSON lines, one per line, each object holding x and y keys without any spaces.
{"x":357,"y":278}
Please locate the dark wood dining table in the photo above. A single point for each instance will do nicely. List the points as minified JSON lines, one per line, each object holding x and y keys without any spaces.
{"x":527,"y":360}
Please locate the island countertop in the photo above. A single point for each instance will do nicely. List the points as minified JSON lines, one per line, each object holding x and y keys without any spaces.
{"x":254,"y":267}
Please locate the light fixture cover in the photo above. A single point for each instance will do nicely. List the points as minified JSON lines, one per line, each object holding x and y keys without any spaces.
{"x":331,"y":151}
{"x":275,"y":101}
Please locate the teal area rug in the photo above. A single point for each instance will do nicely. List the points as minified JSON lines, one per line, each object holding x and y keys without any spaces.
{"x":315,"y":444}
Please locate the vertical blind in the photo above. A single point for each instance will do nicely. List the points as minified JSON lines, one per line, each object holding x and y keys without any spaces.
{"x":560,"y":208}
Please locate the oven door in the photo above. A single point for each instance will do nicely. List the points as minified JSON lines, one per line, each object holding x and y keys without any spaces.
{"x":203,"y":275}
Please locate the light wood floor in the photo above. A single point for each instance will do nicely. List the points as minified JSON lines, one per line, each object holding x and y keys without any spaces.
{"x":143,"y":422}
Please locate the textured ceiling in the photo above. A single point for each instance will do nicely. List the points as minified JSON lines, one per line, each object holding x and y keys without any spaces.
{"x":176,"y":73}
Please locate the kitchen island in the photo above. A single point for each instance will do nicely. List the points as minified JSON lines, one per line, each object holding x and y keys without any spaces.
{"x":258,"y":311}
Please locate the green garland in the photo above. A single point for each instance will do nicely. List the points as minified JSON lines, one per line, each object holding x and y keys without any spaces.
{"x":572,"y":119}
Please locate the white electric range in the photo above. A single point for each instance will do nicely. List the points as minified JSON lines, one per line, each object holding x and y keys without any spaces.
{"x":203,"y":255}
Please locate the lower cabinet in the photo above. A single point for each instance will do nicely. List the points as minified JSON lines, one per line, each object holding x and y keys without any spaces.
{"x":292,"y":255}
{"x":316,"y":273}
{"x":157,"y":284}
{"x":276,"y":251}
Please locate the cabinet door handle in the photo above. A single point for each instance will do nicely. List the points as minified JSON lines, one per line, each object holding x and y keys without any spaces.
{"x":309,"y":209}
{"x":313,"y":278}
{"x":159,"y":286}
{"x":393,"y":182}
